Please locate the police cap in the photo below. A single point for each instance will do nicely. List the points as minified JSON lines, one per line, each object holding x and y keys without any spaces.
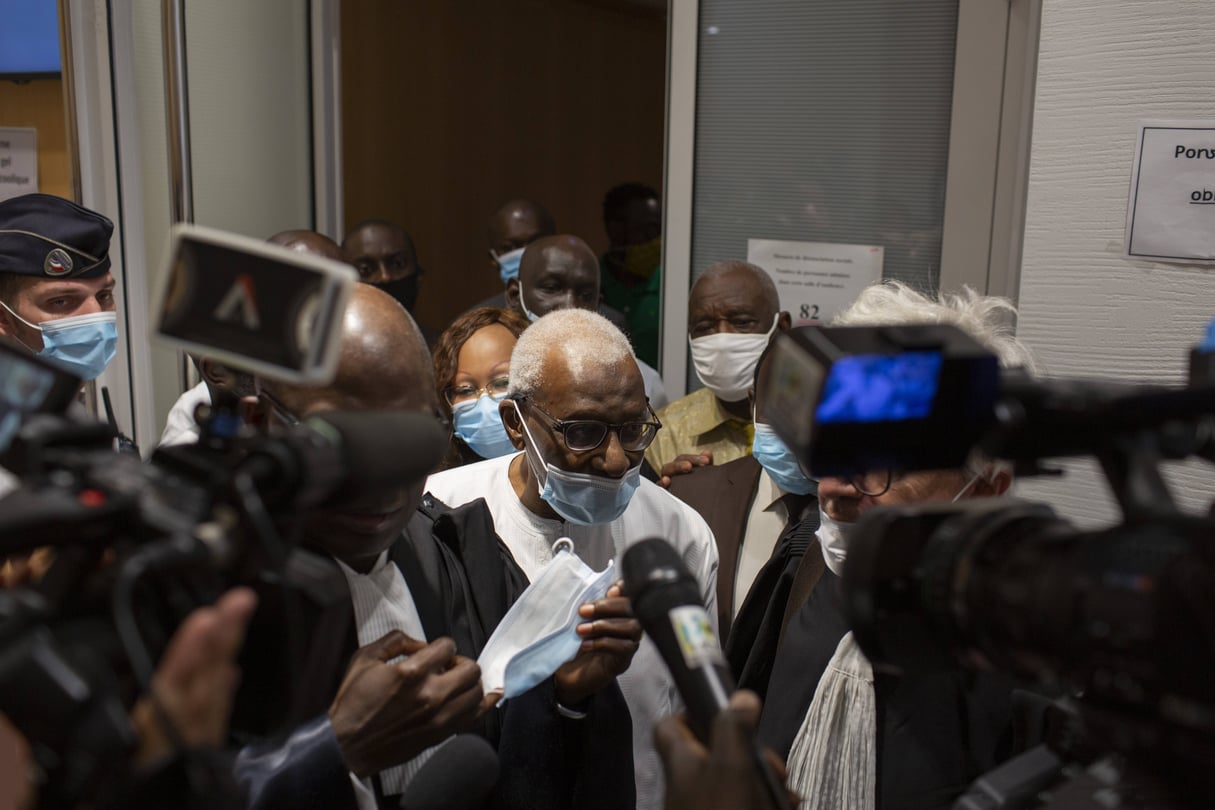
{"x":50,"y":237}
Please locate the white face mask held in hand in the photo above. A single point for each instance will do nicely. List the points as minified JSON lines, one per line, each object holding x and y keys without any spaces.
{"x":538,"y":634}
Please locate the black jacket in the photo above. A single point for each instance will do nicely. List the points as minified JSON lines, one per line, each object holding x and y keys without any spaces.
{"x":463,"y":580}
{"x":936,"y":732}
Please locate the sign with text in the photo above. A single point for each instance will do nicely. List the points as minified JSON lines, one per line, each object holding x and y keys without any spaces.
{"x":816,"y":280}
{"x":18,"y":161}
{"x":1171,"y":213}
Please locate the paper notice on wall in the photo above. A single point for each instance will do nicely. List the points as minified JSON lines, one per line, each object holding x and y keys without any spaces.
{"x":18,"y":161}
{"x":816,"y":280}
{"x":1171,"y":213}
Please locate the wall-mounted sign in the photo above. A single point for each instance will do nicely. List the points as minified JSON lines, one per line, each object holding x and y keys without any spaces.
{"x":18,"y":161}
{"x":816,"y":279}
{"x":1171,"y":214}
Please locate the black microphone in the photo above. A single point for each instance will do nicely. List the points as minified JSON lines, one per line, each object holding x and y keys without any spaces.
{"x":666,"y":600}
{"x":460,"y":775}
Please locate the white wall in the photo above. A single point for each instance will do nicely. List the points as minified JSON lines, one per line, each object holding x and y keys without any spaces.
{"x":1087,"y":311}
{"x":250,"y":130}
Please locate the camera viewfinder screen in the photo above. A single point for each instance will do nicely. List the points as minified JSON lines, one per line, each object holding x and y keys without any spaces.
{"x":880,"y":388}
{"x":25,"y":389}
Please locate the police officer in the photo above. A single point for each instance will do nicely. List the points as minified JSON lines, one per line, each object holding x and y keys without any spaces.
{"x":56,"y":290}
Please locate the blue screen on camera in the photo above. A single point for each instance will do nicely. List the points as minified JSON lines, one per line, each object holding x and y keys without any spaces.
{"x":880,"y":388}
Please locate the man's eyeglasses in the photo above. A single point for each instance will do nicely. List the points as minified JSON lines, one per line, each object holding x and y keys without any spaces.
{"x":582,"y":435}
{"x":497,"y":390}
{"x":873,"y":484}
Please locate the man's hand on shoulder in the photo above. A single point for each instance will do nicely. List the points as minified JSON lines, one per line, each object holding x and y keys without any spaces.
{"x":387,"y":713}
{"x":682,"y":465}
{"x":610,"y":637}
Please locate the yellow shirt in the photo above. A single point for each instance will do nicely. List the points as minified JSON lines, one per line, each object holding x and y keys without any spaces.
{"x":699,"y":422}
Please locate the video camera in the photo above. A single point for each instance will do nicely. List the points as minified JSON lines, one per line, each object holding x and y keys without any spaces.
{"x":139,"y":545}
{"x":1122,"y":617}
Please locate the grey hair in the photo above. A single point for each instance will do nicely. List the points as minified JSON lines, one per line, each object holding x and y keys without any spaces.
{"x":988,"y":319}
{"x":585,"y":338}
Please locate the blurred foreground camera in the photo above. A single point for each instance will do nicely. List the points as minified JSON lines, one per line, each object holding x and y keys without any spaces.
{"x":1123,"y":617}
{"x":138,"y":546}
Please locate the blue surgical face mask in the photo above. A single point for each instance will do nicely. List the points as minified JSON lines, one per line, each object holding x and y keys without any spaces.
{"x":82,"y":344}
{"x":779,"y":462}
{"x":579,"y":497}
{"x":478,"y":423}
{"x":539,"y":633}
{"x":508,"y":263}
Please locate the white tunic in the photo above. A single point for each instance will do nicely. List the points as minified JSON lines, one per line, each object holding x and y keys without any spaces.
{"x":653,"y":512}
{"x":180,"y":427}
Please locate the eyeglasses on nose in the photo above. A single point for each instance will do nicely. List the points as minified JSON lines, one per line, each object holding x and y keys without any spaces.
{"x":872,"y":483}
{"x":582,"y":435}
{"x":496,"y":389}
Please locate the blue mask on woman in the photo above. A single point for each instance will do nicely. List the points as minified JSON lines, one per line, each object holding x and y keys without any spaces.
{"x":479,"y":425}
{"x":779,"y":462}
{"x":82,"y":344}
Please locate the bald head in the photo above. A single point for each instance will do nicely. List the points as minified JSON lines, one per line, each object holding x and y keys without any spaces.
{"x":382,"y":365}
{"x":311,"y":242}
{"x":733,"y":296}
{"x":556,"y":272}
{"x":518,"y":223}
{"x":553,"y":253}
{"x":383,"y":362}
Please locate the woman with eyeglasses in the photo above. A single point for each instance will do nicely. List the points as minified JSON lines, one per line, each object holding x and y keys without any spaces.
{"x":472,"y":375}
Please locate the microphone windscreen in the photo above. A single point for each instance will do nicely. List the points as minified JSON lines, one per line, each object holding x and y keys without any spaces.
{"x":655,"y":578}
{"x":385,"y":447}
{"x":459,"y":775}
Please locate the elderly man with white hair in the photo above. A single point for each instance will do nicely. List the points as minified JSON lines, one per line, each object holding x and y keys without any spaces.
{"x":858,"y":738}
{"x":578,"y":410}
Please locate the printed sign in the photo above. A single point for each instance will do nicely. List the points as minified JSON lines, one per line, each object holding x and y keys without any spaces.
{"x":1171,"y":213}
{"x":18,"y":161}
{"x":816,"y":280}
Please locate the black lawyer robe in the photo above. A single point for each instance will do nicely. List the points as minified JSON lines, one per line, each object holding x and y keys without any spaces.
{"x":937,"y":732}
{"x":463,"y":580}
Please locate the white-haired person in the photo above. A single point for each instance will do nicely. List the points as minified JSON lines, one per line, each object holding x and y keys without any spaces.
{"x":578,"y":411}
{"x":852,"y":737}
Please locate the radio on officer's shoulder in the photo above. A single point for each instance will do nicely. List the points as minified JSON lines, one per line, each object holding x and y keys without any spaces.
{"x":252,"y":305}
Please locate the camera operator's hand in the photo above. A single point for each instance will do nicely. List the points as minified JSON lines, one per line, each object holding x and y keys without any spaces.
{"x":194,"y":683}
{"x":22,"y":570}
{"x":610,"y":637}
{"x":385,"y":714}
{"x":724,"y":776}
{"x":682,"y":465}
{"x":18,"y":790}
